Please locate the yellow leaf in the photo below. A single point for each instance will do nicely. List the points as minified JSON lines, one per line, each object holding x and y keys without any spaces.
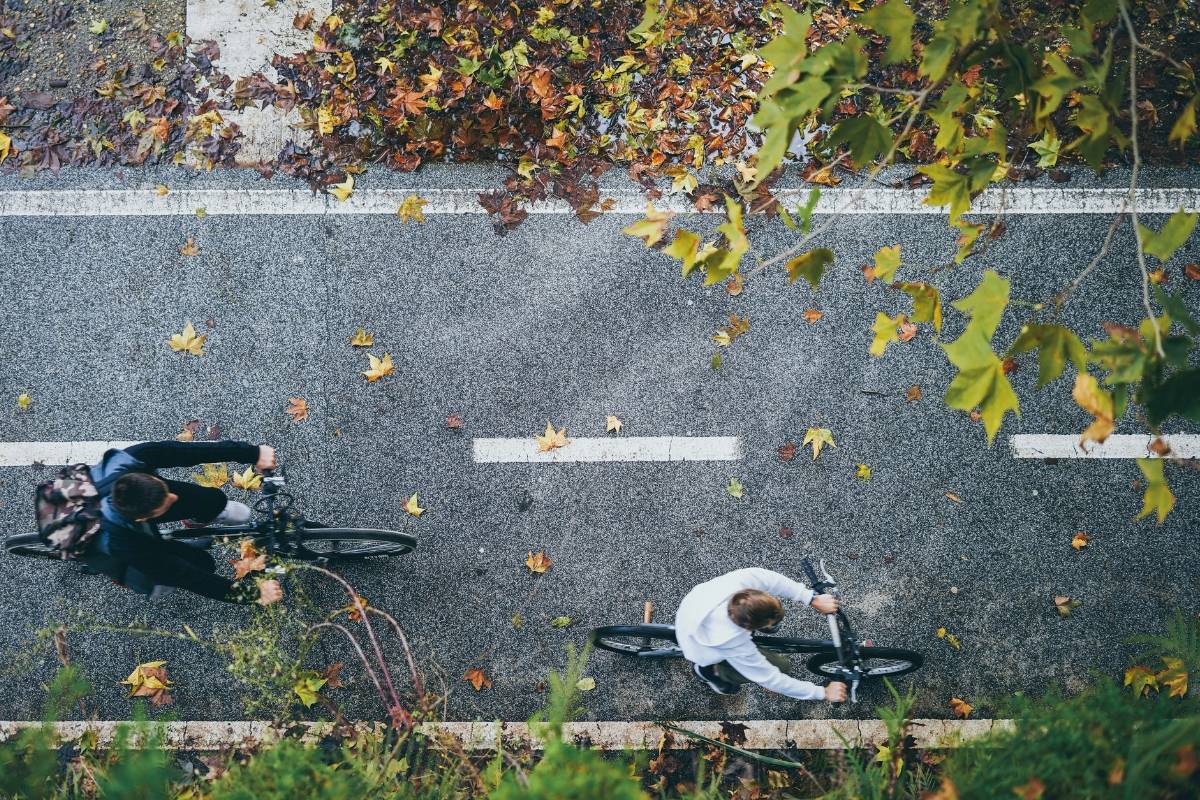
{"x":863,"y":472}
{"x":5,"y":146}
{"x":24,"y":402}
{"x":362,"y":339}
{"x":189,"y":248}
{"x":161,"y":190}
{"x":651,"y":229}
{"x":411,"y":507}
{"x":379,"y":367}
{"x":950,"y":638}
{"x":551,"y":439}
{"x":538,"y":563}
{"x":297,"y":409}
{"x":1158,"y":498}
{"x":818,"y":438}
{"x":612,"y":425}
{"x":1065,"y":605}
{"x":215,"y":476}
{"x":585,"y":684}
{"x":1141,"y":680}
{"x":1097,"y":402}
{"x":412,"y":208}
{"x":960,"y":708}
{"x":1174,"y":676}
{"x":1080,"y":540}
{"x":887,"y":261}
{"x":343,"y":190}
{"x":187,"y":341}
{"x":722,"y":338}
{"x":886,"y":330}
{"x":248,"y":480}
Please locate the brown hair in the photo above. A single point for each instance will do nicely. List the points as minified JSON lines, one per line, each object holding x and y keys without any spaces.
{"x":136,"y":494}
{"x":752,"y":609}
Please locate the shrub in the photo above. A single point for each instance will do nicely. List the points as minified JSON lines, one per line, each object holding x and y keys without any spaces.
{"x":569,"y":773}
{"x":286,"y":771}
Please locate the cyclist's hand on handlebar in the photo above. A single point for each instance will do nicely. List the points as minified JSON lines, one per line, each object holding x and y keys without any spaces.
{"x":266,"y":458}
{"x":836,"y":692}
{"x":271,"y":592}
{"x":826,"y":603}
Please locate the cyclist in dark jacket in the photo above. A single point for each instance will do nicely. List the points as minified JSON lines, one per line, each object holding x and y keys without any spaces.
{"x":129,"y":548}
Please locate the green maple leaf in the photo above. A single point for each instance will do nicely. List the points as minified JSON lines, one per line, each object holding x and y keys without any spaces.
{"x":894,"y":20}
{"x":686,"y":247}
{"x":1140,"y":680}
{"x":1163,"y":244}
{"x":1047,"y":149}
{"x":1174,"y":676}
{"x":1055,"y":84}
{"x":887,"y":261}
{"x":1055,"y":345}
{"x":810,"y":266}
{"x":866,"y":138}
{"x":1093,"y":120}
{"x":980,"y":382}
{"x":644,"y":35}
{"x":968,"y":234}
{"x":1158,"y":498}
{"x":561,"y":622}
{"x":307,"y":686}
{"x":885,"y":330}
{"x":938,"y":53}
{"x":986,"y":304}
{"x":1178,"y":394}
{"x":1185,"y":124}
{"x":778,"y":117}
{"x":735,"y":488}
{"x":949,"y":188}
{"x":927,"y":302}
{"x":818,"y":438}
{"x":723,"y":262}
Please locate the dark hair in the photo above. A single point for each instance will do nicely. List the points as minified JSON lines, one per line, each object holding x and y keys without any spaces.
{"x":752,"y":609}
{"x":136,"y":494}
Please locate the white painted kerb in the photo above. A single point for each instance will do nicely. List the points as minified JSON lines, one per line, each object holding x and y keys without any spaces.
{"x":628,"y":448}
{"x":1047,"y":445}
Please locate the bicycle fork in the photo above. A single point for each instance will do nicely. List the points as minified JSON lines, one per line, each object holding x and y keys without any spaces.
{"x":835,"y":633}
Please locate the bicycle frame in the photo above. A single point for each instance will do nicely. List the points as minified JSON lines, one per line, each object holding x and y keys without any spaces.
{"x":841,"y":632}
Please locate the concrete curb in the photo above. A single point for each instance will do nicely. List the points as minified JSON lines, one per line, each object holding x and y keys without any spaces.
{"x":602,"y":735}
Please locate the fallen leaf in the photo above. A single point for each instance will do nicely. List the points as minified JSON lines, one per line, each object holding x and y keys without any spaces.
{"x":201,"y":212}
{"x":454,"y":422}
{"x":411,"y":507}
{"x":362,"y":339}
{"x":189,"y":248}
{"x":812,"y":315}
{"x":735,"y":284}
{"x":248,"y":480}
{"x":551,"y":439}
{"x":1185,"y":761}
{"x":214,"y":476}
{"x":907,"y":331}
{"x":244,"y":566}
{"x":818,"y":438}
{"x":98,"y":27}
{"x":478,"y":679}
{"x":1033,"y":789}
{"x":913,"y":394}
{"x":1192,"y":271}
{"x":1174,"y":676}
{"x":24,"y":402}
{"x":343,"y":190}
{"x":585,"y":684}
{"x":786,"y":532}
{"x":539,"y":563}
{"x":1160,"y":447}
{"x":1141,"y":680}
{"x":150,"y":680}
{"x":787,"y":451}
{"x":863,"y":472}
{"x":188,"y":341}
{"x":1065,"y":605}
{"x":357,"y":609}
{"x":960,"y":708}
{"x":952,"y":497}
{"x":734,"y":488}
{"x":560,"y":622}
{"x":412,"y":208}
{"x":949,"y":638}
{"x":333,"y":675}
{"x":1080,"y":540}
{"x":612,"y":425}
{"x":518,"y":621}
{"x":1116,"y":774}
{"x":379,"y":367}
{"x":297,"y":409}
{"x":946,"y":791}
{"x":307,"y":687}
{"x":161,"y":190}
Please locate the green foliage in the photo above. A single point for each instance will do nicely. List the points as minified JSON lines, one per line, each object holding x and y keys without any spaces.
{"x":1181,"y":641}
{"x":1158,"y":498}
{"x":894,"y":20}
{"x":1103,"y":743}
{"x":285,"y":771}
{"x":570,"y":773}
{"x":562,"y":701}
{"x":1056,"y":345}
{"x":137,"y":767}
{"x":865,"y":136}
{"x":1163,"y":244}
{"x":29,"y":764}
{"x":927,"y":303}
{"x":810,"y":266}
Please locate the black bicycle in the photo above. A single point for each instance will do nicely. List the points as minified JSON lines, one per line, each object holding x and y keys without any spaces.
{"x":842,"y":657}
{"x":280,"y":530}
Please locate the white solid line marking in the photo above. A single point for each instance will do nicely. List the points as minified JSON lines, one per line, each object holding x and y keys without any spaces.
{"x":302,"y":202}
{"x":626,"y":448}
{"x":1051,"y":445}
{"x":804,"y":734}
{"x":23,"y":454}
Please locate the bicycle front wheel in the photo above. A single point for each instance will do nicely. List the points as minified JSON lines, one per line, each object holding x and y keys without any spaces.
{"x":877,"y":662}
{"x":348,"y":543}
{"x":30,"y":545}
{"x":642,"y":641}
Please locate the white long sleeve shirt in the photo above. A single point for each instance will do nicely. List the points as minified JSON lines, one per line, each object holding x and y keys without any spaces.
{"x":708,"y":636}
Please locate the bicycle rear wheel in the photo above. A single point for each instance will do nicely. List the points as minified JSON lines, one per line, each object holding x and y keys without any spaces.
{"x":877,"y":662}
{"x":641,"y":641}
{"x":30,"y":545}
{"x":349,"y":543}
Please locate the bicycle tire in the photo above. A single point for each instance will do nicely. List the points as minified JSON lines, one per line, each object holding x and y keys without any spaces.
{"x":353,"y":543}
{"x":640,"y":641}
{"x":30,"y":545}
{"x":894,"y":662}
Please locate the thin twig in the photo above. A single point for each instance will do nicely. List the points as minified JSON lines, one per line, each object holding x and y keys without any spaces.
{"x":412,"y":664}
{"x":1062,"y":297}
{"x":362,"y":656}
{"x":1137,"y":163}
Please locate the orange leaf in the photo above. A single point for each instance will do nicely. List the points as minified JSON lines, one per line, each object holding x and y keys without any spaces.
{"x":551,"y":439}
{"x":297,"y":409}
{"x":812,"y":315}
{"x":477,"y":678}
{"x":1033,"y":789}
{"x":244,"y":566}
{"x":189,"y":248}
{"x":913,"y":394}
{"x":960,"y":708}
{"x":538,"y":563}
{"x":1080,"y":541}
{"x":735,"y":284}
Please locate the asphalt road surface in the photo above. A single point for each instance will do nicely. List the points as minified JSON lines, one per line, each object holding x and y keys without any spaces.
{"x":571,"y":323}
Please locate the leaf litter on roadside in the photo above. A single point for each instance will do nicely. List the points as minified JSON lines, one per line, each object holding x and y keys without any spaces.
{"x":188,"y":341}
{"x":150,"y":680}
{"x":539,"y":562}
{"x":551,"y":439}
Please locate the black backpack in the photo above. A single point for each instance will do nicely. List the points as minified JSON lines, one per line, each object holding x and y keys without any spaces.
{"x":68,"y":510}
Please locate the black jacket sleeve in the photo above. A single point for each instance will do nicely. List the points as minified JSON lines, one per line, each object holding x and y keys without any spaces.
{"x":170,"y":453}
{"x":167,"y":563}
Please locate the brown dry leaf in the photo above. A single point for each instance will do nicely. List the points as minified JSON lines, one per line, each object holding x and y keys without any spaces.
{"x":333,"y":675}
{"x":362,"y":339}
{"x":1033,"y":789}
{"x":478,"y":679}
{"x":960,"y":708}
{"x":1009,"y":365}
{"x":1185,"y":761}
{"x":303,"y":21}
{"x":1116,"y":775}
{"x":552,"y":439}
{"x":244,"y":566}
{"x":735,"y":284}
{"x":150,"y":680}
{"x":411,"y":507}
{"x":952,"y":496}
{"x":1160,"y":447}
{"x":297,"y":409}
{"x":907,"y":331}
{"x":913,"y":394}
{"x":946,"y":791}
{"x":454,"y":422}
{"x":357,"y":609}
{"x":189,"y":248}
{"x":538,"y":563}
{"x":379,"y":367}
{"x":613,"y":424}
{"x":1065,"y":605}
{"x":1192,"y":271}
{"x":812,"y":315}
{"x":975,"y":415}
{"x":1080,"y":540}
{"x":787,"y":451}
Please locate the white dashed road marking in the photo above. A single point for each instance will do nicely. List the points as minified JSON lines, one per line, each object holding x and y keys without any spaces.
{"x":23,"y":454}
{"x":1050,"y":445}
{"x":626,"y":448}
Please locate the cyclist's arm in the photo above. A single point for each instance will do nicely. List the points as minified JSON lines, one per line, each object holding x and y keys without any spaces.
{"x":772,"y":582}
{"x":170,"y":453}
{"x":752,"y":664}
